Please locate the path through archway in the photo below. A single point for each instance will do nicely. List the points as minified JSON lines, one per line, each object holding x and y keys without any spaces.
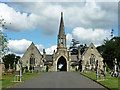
{"x":62,"y":64}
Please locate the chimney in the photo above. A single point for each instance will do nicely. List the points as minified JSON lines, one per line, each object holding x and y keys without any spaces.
{"x":44,"y":54}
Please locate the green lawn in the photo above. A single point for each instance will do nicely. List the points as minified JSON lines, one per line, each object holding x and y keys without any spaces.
{"x":110,"y":82}
{"x":6,"y":82}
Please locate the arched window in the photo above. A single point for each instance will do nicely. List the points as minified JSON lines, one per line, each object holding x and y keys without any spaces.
{"x":32,"y":59}
{"x":92,"y":59}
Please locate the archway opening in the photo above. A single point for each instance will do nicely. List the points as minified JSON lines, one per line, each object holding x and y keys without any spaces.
{"x":62,"y":64}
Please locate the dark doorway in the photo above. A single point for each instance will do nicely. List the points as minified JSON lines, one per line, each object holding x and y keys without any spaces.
{"x":61,"y":64}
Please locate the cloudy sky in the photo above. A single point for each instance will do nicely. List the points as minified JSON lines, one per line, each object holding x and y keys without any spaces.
{"x":39,"y":22}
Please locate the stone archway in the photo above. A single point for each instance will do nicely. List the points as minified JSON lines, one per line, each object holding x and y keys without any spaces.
{"x":61,"y":64}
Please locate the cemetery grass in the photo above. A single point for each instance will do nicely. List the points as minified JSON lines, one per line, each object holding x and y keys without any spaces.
{"x":110,"y":82}
{"x":7,"y":79}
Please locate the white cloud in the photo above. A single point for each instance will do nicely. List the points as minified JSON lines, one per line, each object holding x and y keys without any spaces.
{"x":45,"y":16}
{"x":86,"y":36}
{"x":69,"y":38}
{"x":51,"y":49}
{"x":40,"y":47}
{"x":18,"y":46}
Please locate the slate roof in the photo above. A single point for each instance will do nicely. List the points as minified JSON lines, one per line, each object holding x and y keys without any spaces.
{"x":47,"y":63}
{"x":74,"y":58}
{"x":75,"y":64}
{"x":49,"y":58}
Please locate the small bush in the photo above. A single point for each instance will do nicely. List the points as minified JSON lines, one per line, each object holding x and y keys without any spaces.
{"x":107,"y":68}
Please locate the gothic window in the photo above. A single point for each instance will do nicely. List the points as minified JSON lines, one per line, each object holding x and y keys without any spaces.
{"x":32,"y":59}
{"x":92,"y":59}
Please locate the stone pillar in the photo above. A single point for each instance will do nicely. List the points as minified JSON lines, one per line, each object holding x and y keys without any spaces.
{"x":69,"y":60}
{"x":79,"y":54}
{"x":115,"y":72}
{"x":83,"y":65}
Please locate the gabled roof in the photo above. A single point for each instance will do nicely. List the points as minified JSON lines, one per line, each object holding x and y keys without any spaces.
{"x":32,"y":44}
{"x":91,"y":45}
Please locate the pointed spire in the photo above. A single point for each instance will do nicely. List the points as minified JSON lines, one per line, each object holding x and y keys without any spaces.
{"x":61,"y":28}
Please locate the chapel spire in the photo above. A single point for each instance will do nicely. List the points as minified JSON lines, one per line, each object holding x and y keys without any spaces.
{"x":61,"y":28}
{"x":61,"y":36}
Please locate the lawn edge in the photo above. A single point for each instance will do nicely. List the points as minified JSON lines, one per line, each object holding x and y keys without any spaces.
{"x":20,"y":82}
{"x":96,"y":81}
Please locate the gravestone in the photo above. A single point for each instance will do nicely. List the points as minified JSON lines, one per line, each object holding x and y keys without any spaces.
{"x":114,"y":72}
{"x":18,"y":66}
{"x":118,"y":70}
{"x":9,"y":66}
{"x":105,"y":72}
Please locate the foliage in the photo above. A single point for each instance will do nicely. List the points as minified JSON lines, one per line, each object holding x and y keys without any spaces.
{"x":30,"y":67}
{"x":107,"y":68}
{"x":75,"y":45}
{"x":110,"y":50}
{"x":9,"y":59}
{"x":3,"y":39}
{"x":82,"y":48}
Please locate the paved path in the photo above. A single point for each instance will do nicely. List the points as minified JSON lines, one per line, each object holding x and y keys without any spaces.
{"x":59,"y":80}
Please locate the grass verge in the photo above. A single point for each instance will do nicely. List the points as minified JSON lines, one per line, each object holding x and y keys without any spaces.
{"x":110,"y":82}
{"x":7,"y":79}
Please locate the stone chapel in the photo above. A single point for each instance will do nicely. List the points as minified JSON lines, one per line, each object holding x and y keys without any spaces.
{"x":61,"y":60}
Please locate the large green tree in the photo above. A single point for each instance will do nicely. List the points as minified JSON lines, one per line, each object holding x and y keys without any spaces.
{"x":10,"y":59}
{"x":110,"y":50}
{"x":3,"y":39}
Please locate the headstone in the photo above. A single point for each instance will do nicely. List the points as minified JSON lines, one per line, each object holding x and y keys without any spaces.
{"x":105,"y":72}
{"x":18,"y":66}
{"x":9,"y":66}
{"x":24,"y":71}
{"x":114,"y":74}
{"x":119,"y":70}
{"x":14,"y":65}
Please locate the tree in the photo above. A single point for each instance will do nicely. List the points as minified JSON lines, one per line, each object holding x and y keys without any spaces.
{"x":3,"y":39}
{"x":110,"y":50}
{"x":74,"y":47}
{"x":10,"y":59}
{"x":82,"y":48}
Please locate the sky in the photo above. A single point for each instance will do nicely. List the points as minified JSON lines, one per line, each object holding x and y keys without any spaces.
{"x":38,"y":22}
